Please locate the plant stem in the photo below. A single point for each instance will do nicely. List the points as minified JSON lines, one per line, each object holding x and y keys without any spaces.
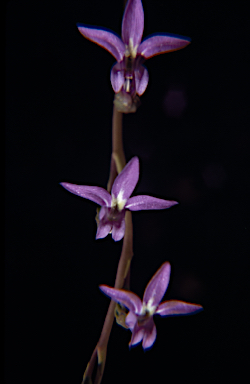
{"x":118,"y":162}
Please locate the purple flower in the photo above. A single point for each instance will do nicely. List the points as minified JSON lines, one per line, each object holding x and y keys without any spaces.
{"x":112,"y":212}
{"x":140,"y":317}
{"x":128,"y":74}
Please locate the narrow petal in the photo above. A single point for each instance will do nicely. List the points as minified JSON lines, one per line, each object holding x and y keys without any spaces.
{"x":157,"y":286}
{"x":129,"y":299}
{"x":97,"y":194}
{"x":141,"y":79}
{"x":118,"y":230}
{"x":137,"y":335}
{"x":131,"y":320}
{"x":149,"y":334}
{"x":103,"y":213}
{"x":103,"y":229}
{"x":161,"y":44}
{"x":133,"y":23}
{"x":176,"y":307}
{"x":126,"y":181}
{"x":106,"y":39}
{"x":142,"y":202}
{"x":117,"y":77}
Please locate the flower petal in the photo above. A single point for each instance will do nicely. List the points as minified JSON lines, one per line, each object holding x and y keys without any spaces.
{"x":133,"y":23}
{"x":118,"y":230}
{"x":142,"y":202}
{"x":155,"y":45}
{"x":149,"y":334}
{"x":117,"y":77}
{"x":137,"y":335}
{"x":141,"y":79}
{"x":103,"y":229}
{"x":126,"y":181}
{"x":97,"y":194}
{"x":131,"y":320}
{"x":105,"y":38}
{"x":176,"y":307}
{"x":157,"y":286}
{"x":129,"y":299}
{"x":103,"y":213}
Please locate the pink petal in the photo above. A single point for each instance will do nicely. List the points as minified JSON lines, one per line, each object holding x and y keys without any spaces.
{"x":105,"y":39}
{"x":149,"y":334}
{"x":161,"y":44}
{"x":131,"y":320}
{"x":129,"y":299}
{"x":133,"y":22}
{"x":126,"y":181}
{"x":176,"y":307}
{"x":157,"y":286}
{"x":117,"y":77}
{"x":97,"y":194}
{"x":137,"y":335}
{"x":141,"y":80}
{"x":142,"y":202}
{"x":103,"y":230}
{"x":118,"y":230}
{"x":103,"y":212}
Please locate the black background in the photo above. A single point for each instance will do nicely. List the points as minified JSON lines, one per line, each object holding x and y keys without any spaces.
{"x":58,"y":128}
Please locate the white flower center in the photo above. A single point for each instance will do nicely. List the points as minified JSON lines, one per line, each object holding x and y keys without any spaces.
{"x":130,"y":49}
{"x":118,"y":202}
{"x":148,"y":308}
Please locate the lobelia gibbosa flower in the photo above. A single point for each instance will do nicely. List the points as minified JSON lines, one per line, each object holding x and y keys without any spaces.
{"x":128,"y":74}
{"x":140,"y":316}
{"x":113,"y":207}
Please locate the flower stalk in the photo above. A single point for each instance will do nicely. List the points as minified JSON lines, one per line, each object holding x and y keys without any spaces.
{"x":99,"y":354}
